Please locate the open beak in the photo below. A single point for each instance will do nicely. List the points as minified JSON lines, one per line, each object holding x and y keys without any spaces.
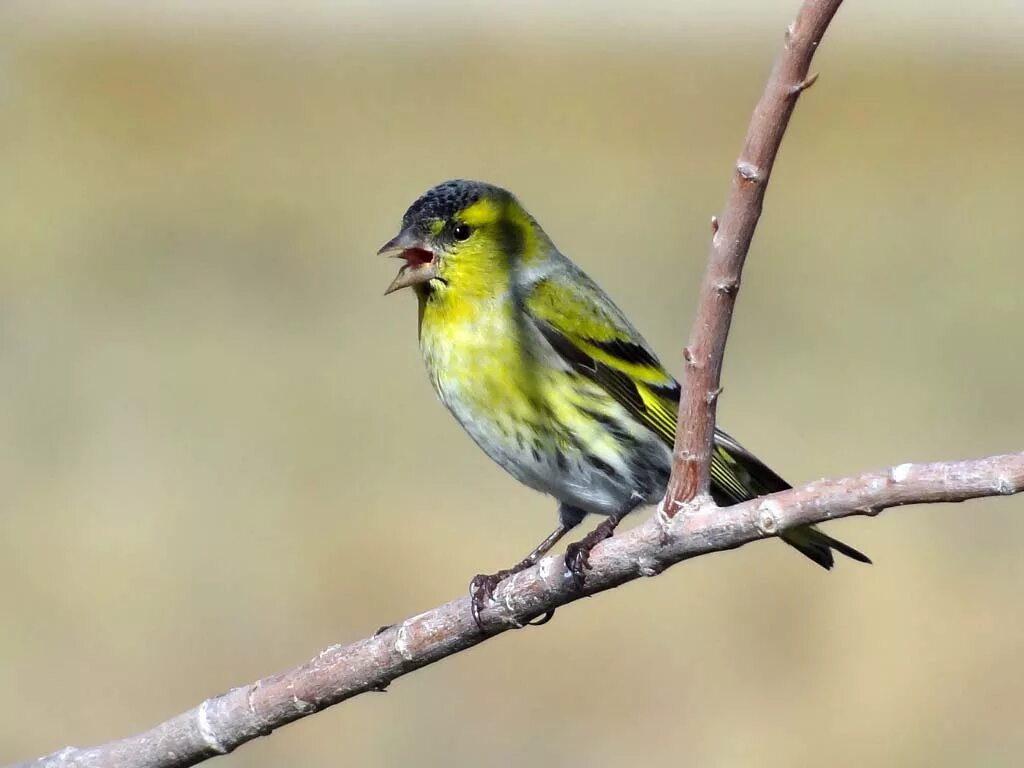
{"x":419,"y":264}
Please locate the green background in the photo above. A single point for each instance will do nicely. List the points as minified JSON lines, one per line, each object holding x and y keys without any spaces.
{"x":219,"y":451}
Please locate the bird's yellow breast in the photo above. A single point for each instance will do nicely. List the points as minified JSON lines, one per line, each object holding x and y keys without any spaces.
{"x":478,"y":360}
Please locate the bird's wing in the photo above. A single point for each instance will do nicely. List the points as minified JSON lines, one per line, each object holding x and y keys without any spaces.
{"x":738,"y":474}
{"x":592,"y":335}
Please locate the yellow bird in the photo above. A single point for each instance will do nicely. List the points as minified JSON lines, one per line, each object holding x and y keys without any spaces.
{"x":548,"y":376}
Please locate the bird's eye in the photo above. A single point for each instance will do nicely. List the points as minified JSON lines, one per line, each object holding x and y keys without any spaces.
{"x":462,"y":232}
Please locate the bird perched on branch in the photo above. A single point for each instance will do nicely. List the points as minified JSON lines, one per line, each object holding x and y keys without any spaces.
{"x":548,"y":376}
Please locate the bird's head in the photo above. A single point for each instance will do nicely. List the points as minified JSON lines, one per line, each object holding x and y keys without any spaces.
{"x":464,"y":236}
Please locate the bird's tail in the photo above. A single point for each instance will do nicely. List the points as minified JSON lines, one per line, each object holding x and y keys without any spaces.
{"x":818,"y":546}
{"x":738,"y":475}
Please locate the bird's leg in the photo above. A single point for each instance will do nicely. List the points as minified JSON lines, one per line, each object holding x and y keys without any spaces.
{"x":577,"y":554}
{"x":481,"y":588}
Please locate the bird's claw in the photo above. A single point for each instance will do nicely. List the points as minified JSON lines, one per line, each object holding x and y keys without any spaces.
{"x":542,"y":620}
{"x":577,"y":561}
{"x":577,"y":555}
{"x":481,"y":590}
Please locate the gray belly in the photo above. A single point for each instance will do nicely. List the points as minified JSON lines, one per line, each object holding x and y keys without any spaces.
{"x":559,"y":467}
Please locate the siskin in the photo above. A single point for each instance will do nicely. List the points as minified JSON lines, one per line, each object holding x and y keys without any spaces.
{"x":548,"y":376}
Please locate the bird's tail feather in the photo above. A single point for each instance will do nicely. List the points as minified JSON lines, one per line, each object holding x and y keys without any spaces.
{"x":818,"y":546}
{"x":738,"y":475}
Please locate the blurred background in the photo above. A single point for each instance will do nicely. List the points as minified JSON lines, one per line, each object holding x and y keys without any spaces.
{"x":219,"y":451}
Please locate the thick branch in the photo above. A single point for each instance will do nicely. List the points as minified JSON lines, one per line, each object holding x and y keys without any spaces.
{"x":732,"y":234}
{"x":222,"y":723}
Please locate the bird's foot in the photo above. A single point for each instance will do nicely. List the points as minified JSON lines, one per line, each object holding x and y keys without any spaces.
{"x":481,"y":589}
{"x":577,"y":554}
{"x":481,"y":592}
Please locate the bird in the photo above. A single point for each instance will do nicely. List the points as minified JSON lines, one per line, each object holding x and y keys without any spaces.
{"x":548,"y":376}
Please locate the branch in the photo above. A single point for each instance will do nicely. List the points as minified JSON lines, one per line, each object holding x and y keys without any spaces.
{"x":223,"y":723}
{"x":731,"y":238}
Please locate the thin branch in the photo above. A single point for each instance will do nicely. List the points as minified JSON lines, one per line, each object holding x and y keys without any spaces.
{"x":731,"y":237}
{"x":223,"y":723}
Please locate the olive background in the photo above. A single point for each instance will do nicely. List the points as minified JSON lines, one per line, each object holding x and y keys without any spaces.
{"x":219,"y":452}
